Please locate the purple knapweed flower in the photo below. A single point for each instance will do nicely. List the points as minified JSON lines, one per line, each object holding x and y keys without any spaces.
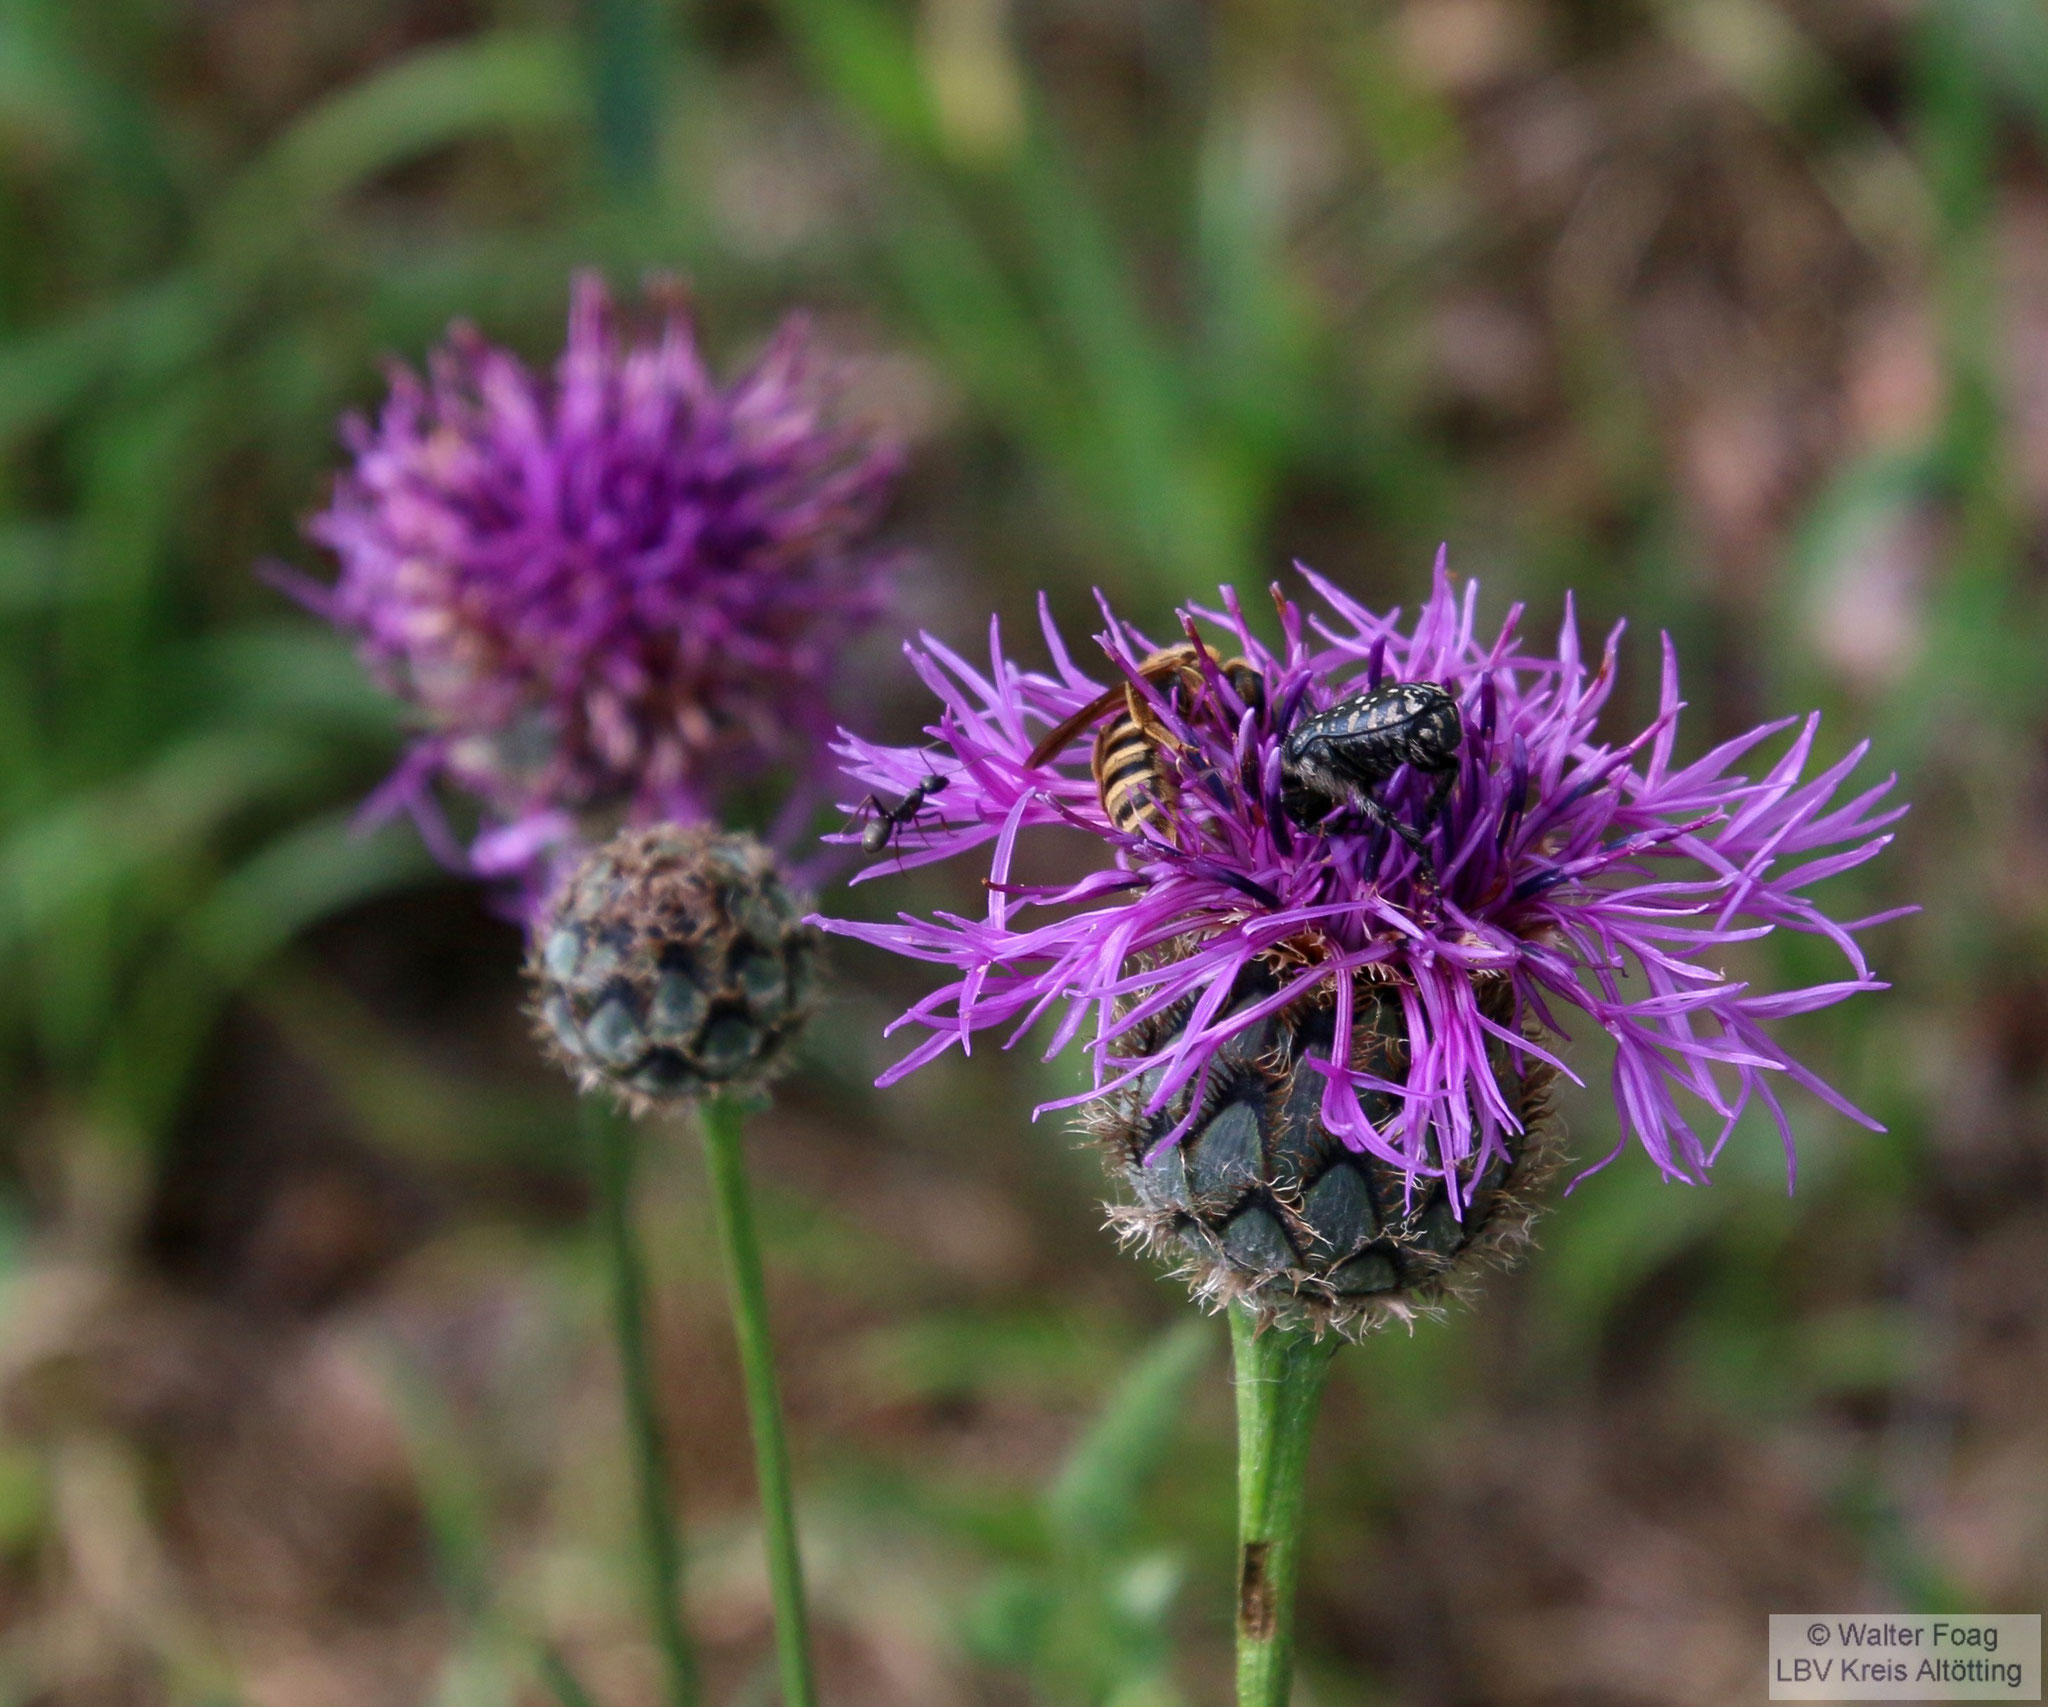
{"x":1572,"y":876}
{"x":612,"y":594}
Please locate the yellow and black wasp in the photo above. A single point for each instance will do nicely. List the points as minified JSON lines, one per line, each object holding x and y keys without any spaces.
{"x":1132,"y":776}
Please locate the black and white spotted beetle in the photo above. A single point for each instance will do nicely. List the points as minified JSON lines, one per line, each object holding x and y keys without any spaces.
{"x":1339,"y":757}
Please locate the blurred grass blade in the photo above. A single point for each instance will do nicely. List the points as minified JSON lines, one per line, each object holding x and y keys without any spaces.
{"x":862,"y":54}
{"x":428,"y":100}
{"x":293,"y":671}
{"x":307,"y":874}
{"x":562,"y":1683}
{"x":628,"y":53}
{"x":53,"y":99}
{"x":456,"y":1501}
{"x":1094,"y":1503}
{"x":2009,"y":40}
{"x":398,"y":113}
{"x":1132,"y":440}
{"x":96,"y":839}
{"x":32,"y":574}
{"x":450,"y":1487}
{"x":982,"y":327}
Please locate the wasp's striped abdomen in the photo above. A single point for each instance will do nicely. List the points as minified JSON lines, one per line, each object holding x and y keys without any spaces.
{"x":1131,"y":773}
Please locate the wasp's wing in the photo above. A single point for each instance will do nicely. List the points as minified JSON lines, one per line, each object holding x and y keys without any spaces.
{"x":1049,"y":748}
{"x":1157,"y":667}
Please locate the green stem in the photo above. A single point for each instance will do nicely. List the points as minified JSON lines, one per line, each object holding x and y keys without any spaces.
{"x":660,"y":1545}
{"x":1279,"y":1374}
{"x":728,"y":1165}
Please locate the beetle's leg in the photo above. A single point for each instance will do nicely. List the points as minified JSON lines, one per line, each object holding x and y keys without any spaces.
{"x":1445,"y":781}
{"x":1381,"y":815}
{"x":1408,"y":833}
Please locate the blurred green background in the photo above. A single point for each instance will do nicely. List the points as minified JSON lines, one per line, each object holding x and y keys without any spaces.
{"x":1731,"y":315}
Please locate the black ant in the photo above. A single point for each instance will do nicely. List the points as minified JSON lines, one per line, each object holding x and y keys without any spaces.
{"x":881,"y":829}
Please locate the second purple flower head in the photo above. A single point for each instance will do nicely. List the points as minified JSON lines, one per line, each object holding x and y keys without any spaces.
{"x":613,"y":593}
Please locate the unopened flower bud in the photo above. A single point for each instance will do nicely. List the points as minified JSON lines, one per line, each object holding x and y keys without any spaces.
{"x":1264,"y":1205}
{"x":671,"y":964}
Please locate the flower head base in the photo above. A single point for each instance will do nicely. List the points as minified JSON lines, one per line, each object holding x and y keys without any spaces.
{"x":612,"y":594}
{"x":672,"y":963}
{"x":1262,"y":1206}
{"x":1544,"y":872}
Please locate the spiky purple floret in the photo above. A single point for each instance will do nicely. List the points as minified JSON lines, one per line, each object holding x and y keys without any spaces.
{"x":618,"y":590}
{"x":1588,"y":876}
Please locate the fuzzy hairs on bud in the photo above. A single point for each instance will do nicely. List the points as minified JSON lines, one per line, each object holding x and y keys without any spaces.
{"x":671,"y":964}
{"x":1262,"y":1205}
